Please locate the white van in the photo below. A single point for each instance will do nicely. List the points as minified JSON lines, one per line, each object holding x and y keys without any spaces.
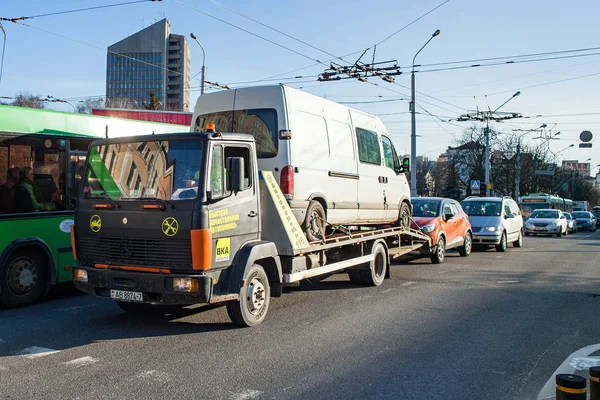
{"x":333,"y":163}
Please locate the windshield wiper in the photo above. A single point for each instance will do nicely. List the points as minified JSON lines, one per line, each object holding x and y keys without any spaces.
{"x":156,"y":199}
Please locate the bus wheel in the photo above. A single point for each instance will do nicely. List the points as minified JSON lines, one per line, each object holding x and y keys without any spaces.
{"x":23,"y":278}
{"x":251,"y":309}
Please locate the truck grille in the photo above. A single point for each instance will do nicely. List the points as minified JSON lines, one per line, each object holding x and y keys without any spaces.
{"x":135,"y":251}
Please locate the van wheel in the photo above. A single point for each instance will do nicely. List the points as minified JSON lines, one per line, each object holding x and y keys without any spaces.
{"x":23,"y":278}
{"x":251,"y":309}
{"x":502,"y":245}
{"x":403,"y":216}
{"x":314,"y":222}
{"x":519,"y":241}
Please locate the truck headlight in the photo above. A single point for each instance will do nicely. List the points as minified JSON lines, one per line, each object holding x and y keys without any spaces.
{"x":80,"y":275}
{"x":186,"y":285}
{"x":491,"y":228}
{"x":428,"y":228}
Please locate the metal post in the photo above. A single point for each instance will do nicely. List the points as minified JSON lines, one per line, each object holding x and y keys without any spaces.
{"x":594,"y":383}
{"x":413,"y":138}
{"x":518,"y":174}
{"x":570,"y":387}
{"x":203,"y":78}
{"x":487,"y":160}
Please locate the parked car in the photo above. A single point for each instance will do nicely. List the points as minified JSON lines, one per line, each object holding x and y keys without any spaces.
{"x":571,"y":223}
{"x":585,"y":220}
{"x":546,"y":221}
{"x":495,"y":221}
{"x":317,"y":149}
{"x":596,"y":212}
{"x":446,"y":224}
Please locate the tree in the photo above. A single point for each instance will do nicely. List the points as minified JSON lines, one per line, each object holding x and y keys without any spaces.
{"x":86,"y":106}
{"x":154,"y":103}
{"x":424,"y":171}
{"x":26,"y":99}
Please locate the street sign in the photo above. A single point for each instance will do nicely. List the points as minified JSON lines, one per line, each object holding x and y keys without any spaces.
{"x":489,"y":186}
{"x":475,"y":185}
{"x":585,"y":145}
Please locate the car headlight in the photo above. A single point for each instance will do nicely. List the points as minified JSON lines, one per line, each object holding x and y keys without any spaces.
{"x":428,"y":228}
{"x":553,"y":224}
{"x":491,"y":228}
{"x":529,"y":225}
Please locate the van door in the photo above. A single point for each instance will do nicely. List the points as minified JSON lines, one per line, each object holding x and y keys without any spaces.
{"x":394,"y":184}
{"x":370,"y":190}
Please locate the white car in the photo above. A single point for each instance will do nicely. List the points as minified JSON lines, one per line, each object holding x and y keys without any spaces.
{"x":547,"y":222}
{"x":333,"y":163}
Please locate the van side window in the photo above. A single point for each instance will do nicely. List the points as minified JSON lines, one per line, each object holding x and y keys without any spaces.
{"x":368,"y":146}
{"x":507,"y":209}
{"x":389,"y":155}
{"x":515,"y":208}
{"x":455,"y":208}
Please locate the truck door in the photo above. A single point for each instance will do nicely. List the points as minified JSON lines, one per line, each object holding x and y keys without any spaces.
{"x":233,"y":217}
{"x":395,"y":183}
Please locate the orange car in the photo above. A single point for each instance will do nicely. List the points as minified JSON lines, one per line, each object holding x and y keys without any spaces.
{"x":446,"y":224}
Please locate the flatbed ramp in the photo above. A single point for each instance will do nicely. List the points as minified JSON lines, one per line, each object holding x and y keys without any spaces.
{"x":352,"y":250}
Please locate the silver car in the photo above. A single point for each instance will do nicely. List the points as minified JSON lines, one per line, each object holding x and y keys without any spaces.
{"x":546,"y":222}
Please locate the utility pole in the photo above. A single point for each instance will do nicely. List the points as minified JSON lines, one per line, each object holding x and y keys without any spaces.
{"x":486,"y":116}
{"x":203,"y":63}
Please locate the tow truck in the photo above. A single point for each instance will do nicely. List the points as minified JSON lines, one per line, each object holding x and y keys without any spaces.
{"x":182,"y":219}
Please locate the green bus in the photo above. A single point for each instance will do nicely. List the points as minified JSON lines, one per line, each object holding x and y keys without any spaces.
{"x":534,"y":201}
{"x":38,"y":148}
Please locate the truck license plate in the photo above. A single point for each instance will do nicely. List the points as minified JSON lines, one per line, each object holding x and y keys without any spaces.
{"x":124,"y":295}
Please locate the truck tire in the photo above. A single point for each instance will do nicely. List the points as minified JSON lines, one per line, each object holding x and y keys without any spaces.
{"x":355,"y":277}
{"x":23,"y":278}
{"x":251,"y":309}
{"x":314,"y":222}
{"x":439,"y":255}
{"x":375,"y":275}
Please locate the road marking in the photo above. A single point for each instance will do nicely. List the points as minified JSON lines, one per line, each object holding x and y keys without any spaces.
{"x":157,"y":376}
{"x":507,"y":282}
{"x":36,"y":352}
{"x":74,"y":308}
{"x":81,"y":362}
{"x":247,"y":395}
{"x":584,"y":363}
{"x":569,"y":366}
{"x":407,"y":283}
{"x":586,"y":236}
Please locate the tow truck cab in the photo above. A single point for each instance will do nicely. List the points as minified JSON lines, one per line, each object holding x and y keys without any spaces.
{"x":161,"y":218}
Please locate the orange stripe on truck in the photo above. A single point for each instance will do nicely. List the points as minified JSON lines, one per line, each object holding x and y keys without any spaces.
{"x":201,"y":249}
{"x":136,"y":269}
{"x":73,"y":247}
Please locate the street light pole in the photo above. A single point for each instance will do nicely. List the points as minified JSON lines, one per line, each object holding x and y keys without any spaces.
{"x":413,"y":123}
{"x":203,"y":63}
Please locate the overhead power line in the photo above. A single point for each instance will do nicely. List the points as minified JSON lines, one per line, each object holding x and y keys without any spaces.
{"x":16,"y":19}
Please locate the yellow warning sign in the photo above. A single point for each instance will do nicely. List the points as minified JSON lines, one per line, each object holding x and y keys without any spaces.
{"x":222,"y":249}
{"x":292,"y":228}
{"x":170,"y":226}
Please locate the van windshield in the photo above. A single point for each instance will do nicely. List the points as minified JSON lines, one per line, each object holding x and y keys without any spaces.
{"x":261,"y":123}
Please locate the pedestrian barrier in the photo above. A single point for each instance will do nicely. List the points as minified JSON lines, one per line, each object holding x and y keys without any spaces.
{"x":595,"y":383}
{"x":570,"y":387}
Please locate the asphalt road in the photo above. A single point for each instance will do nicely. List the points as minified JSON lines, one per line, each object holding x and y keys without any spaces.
{"x":490,"y":326}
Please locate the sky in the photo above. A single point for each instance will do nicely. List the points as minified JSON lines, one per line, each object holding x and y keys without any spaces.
{"x":65,"y":56}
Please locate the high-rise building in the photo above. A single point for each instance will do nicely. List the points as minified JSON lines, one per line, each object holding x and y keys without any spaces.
{"x":153,"y":60}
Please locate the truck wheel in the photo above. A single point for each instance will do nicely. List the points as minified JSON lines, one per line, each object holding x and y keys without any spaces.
{"x":465,"y":249}
{"x":314,"y":222}
{"x":502,"y":245}
{"x":251,"y":309}
{"x":355,"y":277}
{"x":519,"y":241}
{"x":438,"y":256}
{"x":23,"y":278}
{"x":403,"y":216}
{"x":375,"y":275}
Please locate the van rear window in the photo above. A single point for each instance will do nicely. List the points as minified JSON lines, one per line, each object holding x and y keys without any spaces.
{"x":260,"y":123}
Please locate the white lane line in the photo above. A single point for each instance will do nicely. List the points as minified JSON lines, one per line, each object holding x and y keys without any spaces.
{"x":507,"y":282}
{"x":81,"y":362}
{"x":36,"y":352}
{"x":157,"y":376}
{"x":407,"y":283}
{"x":569,"y":366}
{"x":247,"y":394}
{"x":74,"y":308}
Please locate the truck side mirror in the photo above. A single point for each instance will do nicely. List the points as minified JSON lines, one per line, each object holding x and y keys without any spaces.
{"x":406,"y":164}
{"x":235,"y":174}
{"x":70,"y":179}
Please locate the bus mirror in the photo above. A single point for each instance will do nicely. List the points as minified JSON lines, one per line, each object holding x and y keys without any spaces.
{"x":235,"y":174}
{"x":70,"y":181}
{"x":406,"y":165}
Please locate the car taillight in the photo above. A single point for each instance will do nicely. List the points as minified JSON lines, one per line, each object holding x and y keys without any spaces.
{"x":286,"y":182}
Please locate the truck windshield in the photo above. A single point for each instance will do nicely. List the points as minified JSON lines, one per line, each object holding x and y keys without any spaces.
{"x":166,"y":170}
